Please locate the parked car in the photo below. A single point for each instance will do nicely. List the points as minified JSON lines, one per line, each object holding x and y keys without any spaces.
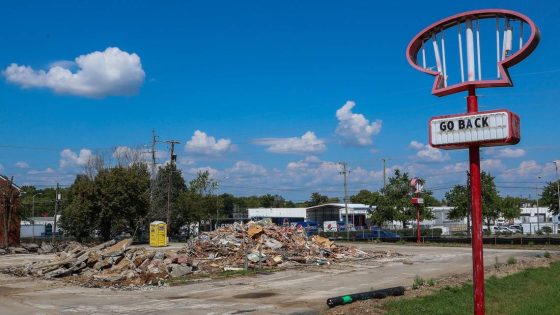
{"x":500,"y":229}
{"x":517,"y":228}
{"x":381,"y":233}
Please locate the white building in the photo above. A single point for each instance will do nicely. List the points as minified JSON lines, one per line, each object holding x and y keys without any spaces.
{"x":357,"y":213}
{"x":277,"y":215}
{"x":39,"y":226}
{"x":532,"y":219}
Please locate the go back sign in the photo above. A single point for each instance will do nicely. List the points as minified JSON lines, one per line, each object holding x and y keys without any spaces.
{"x":490,"y":128}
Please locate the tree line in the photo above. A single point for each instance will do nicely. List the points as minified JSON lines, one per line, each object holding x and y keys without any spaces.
{"x":108,"y":200}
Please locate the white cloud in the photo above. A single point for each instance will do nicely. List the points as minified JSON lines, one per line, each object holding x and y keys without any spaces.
{"x":195,"y":170}
{"x":455,"y":168}
{"x":22,"y":164}
{"x":492,"y":164}
{"x":416,"y":145}
{"x":69,"y":158}
{"x":246,"y":168}
{"x":201,"y":143}
{"x":427,"y":153}
{"x":510,"y":153}
{"x":99,"y":74}
{"x":530,"y":169}
{"x":355,"y":129}
{"x":308,"y":143}
{"x":185,"y":161}
{"x":48,"y":170}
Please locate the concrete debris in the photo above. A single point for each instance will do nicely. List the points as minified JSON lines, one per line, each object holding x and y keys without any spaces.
{"x":46,"y":248}
{"x":229,"y":248}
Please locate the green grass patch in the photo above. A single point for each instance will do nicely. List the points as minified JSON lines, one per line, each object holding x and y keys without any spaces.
{"x":532,"y":291}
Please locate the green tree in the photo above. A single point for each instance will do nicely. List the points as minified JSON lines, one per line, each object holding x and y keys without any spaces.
{"x":198,"y":202}
{"x":395,"y":202}
{"x":366,"y":197}
{"x":490,"y":198}
{"x":550,"y":197}
{"x":79,"y":216}
{"x":509,"y":207}
{"x":458,"y":198}
{"x":122,"y":198}
{"x":44,"y":201}
{"x":493,"y":206}
{"x":317,"y":199}
{"x":169,"y":183}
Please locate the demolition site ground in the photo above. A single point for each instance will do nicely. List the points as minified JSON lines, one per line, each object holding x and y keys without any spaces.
{"x":296,"y":290}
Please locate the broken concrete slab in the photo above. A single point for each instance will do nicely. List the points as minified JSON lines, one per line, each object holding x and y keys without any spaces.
{"x":180,"y":271}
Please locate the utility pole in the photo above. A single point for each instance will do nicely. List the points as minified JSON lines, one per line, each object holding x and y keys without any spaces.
{"x":153,"y":153}
{"x":557,"y":186}
{"x":173,"y":155}
{"x":153,"y":170}
{"x":56,"y":199}
{"x":384,"y":172}
{"x":345,"y":172}
{"x":171,"y":169}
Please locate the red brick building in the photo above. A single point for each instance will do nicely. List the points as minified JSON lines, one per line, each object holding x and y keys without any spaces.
{"x":9,"y":195}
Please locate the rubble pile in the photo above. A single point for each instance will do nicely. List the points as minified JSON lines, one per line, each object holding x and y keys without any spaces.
{"x":229,"y":248}
{"x":33,"y":248}
{"x":260,"y":244}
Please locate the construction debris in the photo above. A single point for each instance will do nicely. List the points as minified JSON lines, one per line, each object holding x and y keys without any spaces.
{"x":229,"y":248}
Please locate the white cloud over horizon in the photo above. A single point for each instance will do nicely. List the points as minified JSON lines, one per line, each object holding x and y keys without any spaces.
{"x":428,"y":154}
{"x":307,"y":143}
{"x":355,"y":129}
{"x":69,"y":158}
{"x":99,"y":74}
{"x":22,"y":164}
{"x":510,"y":153}
{"x":203,"y":144}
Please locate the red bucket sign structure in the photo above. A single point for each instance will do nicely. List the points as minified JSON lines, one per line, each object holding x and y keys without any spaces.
{"x":459,"y":52}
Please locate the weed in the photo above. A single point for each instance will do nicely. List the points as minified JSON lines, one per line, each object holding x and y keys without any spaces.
{"x":511,"y":260}
{"x":546,"y":254}
{"x":418,"y":282}
{"x":431,"y":282}
{"x":496,"y":262}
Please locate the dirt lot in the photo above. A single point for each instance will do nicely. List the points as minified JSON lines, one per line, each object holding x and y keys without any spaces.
{"x":296,"y":291}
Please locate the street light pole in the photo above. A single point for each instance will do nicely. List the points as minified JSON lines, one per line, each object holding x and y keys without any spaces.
{"x":538,"y":213}
{"x":33,"y":216}
{"x":557,"y":186}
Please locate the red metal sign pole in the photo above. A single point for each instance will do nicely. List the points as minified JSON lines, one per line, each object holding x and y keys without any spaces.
{"x":418,"y":220}
{"x":476,"y":210}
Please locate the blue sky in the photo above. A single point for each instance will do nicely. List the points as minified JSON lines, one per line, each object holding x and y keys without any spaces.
{"x":262,"y":83}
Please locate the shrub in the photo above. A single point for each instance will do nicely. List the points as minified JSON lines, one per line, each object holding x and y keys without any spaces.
{"x":511,"y":260}
{"x":546,"y":254}
{"x":546,"y":229}
{"x":540,"y":232}
{"x":418,"y":282}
